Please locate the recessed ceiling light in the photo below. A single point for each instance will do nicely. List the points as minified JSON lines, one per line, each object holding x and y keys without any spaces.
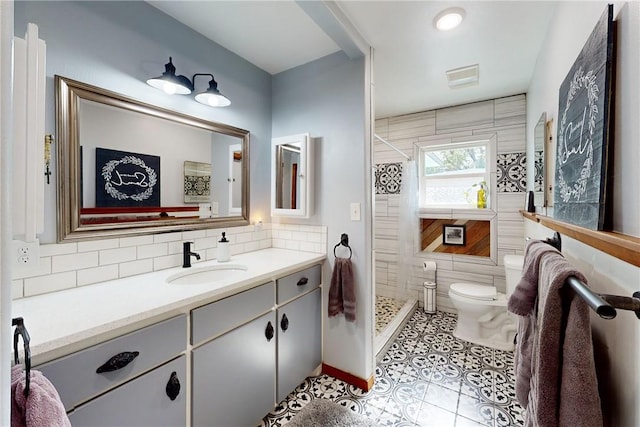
{"x":449,"y":19}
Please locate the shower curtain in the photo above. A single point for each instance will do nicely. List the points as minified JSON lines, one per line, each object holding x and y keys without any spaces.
{"x":408,"y":232}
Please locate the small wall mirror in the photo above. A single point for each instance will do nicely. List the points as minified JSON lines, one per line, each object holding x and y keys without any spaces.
{"x":539,"y":142}
{"x":291,"y":176}
{"x":128,"y":168}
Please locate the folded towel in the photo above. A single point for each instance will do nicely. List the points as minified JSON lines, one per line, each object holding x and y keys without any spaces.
{"x":342,"y":292}
{"x":41,"y":408}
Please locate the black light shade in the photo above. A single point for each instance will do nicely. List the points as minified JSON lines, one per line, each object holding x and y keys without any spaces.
{"x":212,"y":95}
{"x":169,"y":83}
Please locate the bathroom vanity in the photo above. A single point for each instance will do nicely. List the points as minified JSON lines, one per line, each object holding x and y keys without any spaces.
{"x":150,"y":350}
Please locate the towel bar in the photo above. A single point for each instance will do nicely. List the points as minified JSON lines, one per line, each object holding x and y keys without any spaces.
{"x":603,"y":304}
{"x":20,"y":330}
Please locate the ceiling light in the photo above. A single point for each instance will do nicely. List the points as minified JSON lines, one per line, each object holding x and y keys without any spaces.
{"x":449,"y":19}
{"x":171,"y":84}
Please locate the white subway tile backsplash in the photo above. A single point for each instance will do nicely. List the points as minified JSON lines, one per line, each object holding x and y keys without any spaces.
{"x":68,"y":265}
{"x":89,"y":276}
{"x":97,"y":245}
{"x":136,"y":241}
{"x":44,"y":267}
{"x":60,"y":263}
{"x":58,"y":249}
{"x":17,"y":289}
{"x":136,"y":267}
{"x":49,"y":283}
{"x":152,"y":251}
{"x":114,"y":256}
{"x":167,"y":237}
{"x":169,"y":261}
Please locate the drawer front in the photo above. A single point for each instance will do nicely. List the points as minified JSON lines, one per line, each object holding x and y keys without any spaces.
{"x":144,"y":401}
{"x":75,"y":376}
{"x":299,"y":283}
{"x":221,"y":316}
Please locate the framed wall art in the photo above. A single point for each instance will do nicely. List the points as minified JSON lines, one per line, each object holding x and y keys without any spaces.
{"x":126,"y":179}
{"x":454,"y":234}
{"x":584,"y":129}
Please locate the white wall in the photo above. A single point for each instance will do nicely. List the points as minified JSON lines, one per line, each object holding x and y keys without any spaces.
{"x":326,"y":98}
{"x":617,"y":341}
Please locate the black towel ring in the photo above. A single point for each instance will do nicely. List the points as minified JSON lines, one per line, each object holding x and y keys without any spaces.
{"x":18,"y":322}
{"x":344,"y":241}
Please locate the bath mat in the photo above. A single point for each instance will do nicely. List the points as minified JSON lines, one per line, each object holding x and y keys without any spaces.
{"x":325,"y":413}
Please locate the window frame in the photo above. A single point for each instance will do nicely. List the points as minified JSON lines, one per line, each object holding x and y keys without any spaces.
{"x":489,"y":175}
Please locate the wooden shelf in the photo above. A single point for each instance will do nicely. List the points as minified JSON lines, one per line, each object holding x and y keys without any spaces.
{"x":622,"y":246}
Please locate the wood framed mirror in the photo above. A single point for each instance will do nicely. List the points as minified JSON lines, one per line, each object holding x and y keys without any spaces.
{"x":121,"y":167}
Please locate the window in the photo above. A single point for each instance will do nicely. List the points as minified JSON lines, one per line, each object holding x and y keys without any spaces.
{"x":451,"y":174}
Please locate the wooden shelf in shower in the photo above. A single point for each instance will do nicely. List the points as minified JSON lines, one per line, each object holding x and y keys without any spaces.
{"x":621,"y":246}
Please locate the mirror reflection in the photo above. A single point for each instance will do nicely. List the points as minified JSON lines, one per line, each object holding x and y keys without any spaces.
{"x":539,"y":139}
{"x":287,"y":179}
{"x":131,"y":168}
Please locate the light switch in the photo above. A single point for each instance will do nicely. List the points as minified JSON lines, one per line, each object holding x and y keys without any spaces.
{"x":355,"y":211}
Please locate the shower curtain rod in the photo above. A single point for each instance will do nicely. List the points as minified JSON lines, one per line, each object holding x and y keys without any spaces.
{"x":392,"y":146}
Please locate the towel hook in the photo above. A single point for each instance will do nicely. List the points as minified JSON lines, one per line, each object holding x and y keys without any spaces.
{"x":18,"y":322}
{"x":344,"y":241}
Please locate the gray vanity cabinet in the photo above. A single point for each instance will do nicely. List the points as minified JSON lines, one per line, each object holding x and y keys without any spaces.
{"x":157,"y":398}
{"x":299,"y":341}
{"x":234,"y":376}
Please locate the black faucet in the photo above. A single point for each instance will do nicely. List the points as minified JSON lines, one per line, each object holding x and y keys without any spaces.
{"x":187,"y":254}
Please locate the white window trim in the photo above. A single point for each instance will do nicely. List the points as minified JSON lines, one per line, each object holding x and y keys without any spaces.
{"x":461,"y":142}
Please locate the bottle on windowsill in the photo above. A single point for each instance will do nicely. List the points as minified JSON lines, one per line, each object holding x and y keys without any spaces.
{"x":481,"y":198}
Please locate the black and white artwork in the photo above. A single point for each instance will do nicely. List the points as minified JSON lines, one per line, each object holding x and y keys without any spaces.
{"x":454,"y":234}
{"x":512,"y":172}
{"x":126,"y":179}
{"x":584,"y":129}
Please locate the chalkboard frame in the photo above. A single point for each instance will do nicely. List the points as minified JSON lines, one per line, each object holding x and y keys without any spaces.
{"x":584,"y":130}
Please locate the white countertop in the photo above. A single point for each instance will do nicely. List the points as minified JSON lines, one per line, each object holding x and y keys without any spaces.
{"x":63,"y":322}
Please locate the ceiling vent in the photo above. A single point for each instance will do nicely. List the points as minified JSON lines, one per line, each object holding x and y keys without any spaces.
{"x":462,"y":77}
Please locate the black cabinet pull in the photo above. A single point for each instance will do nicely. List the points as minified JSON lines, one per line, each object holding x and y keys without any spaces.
{"x":269,"y":332}
{"x":303,"y":281}
{"x":118,"y":361}
{"x":173,"y":386}
{"x":284,"y":323}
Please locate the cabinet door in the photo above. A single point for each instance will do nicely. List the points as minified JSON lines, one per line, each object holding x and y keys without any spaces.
{"x":145,"y":401}
{"x":234,"y":376}
{"x":299,"y":341}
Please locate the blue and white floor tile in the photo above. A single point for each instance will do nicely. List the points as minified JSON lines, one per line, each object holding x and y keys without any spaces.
{"x":427,"y":378}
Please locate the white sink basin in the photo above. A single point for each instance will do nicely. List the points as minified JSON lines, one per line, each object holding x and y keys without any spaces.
{"x":209,"y":274}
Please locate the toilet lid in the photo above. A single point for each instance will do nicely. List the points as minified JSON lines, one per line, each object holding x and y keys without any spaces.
{"x":474,"y":291}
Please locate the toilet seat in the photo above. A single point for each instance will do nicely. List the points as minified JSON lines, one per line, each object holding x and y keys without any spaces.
{"x":474,"y":291}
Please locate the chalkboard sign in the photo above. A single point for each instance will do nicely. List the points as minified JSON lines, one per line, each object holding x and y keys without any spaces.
{"x":126,"y":179}
{"x":584,"y":129}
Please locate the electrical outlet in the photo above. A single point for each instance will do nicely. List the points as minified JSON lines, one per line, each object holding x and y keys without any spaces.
{"x":26,"y":255}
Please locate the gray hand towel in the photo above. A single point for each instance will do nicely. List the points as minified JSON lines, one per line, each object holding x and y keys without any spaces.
{"x":342,"y":293}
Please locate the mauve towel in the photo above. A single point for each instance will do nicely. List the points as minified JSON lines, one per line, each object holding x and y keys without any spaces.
{"x":41,"y":408}
{"x":562,"y":388}
{"x":523,"y":303}
{"x":342,"y":293}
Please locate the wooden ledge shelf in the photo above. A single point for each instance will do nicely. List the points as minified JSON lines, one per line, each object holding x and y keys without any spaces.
{"x":621,"y":246}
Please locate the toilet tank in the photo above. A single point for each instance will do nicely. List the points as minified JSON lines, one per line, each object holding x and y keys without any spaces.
{"x":513,"y":271}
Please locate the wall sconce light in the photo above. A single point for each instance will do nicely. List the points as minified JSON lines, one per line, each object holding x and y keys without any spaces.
{"x":171,"y":84}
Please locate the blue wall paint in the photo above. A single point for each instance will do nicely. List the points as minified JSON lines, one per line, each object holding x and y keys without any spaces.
{"x":326,"y":98}
{"x":118,"y":45}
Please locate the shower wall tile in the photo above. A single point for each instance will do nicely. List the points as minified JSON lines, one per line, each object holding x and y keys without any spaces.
{"x":504,"y":118}
{"x":512,"y":172}
{"x":388,"y":178}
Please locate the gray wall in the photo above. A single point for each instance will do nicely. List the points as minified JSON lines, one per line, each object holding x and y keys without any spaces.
{"x":326,"y":99}
{"x":119,"y":45}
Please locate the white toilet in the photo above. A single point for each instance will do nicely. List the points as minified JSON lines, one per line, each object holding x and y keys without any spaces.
{"x":482,"y":310}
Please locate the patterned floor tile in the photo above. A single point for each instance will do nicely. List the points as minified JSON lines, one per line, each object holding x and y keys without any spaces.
{"x":427,"y":377}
